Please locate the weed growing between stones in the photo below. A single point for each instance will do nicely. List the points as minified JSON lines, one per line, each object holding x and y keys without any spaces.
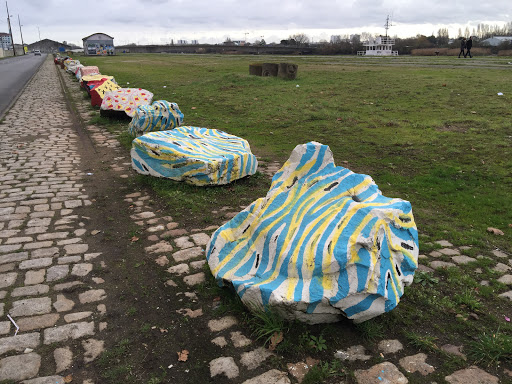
{"x":491,"y":348}
{"x":425,"y":343}
{"x":267,"y":323}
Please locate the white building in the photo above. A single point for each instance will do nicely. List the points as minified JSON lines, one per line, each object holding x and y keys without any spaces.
{"x":5,"y":41}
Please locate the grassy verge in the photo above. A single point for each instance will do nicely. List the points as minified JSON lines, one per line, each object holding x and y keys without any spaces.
{"x":433,"y":131}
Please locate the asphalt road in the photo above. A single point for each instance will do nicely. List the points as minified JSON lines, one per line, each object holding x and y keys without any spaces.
{"x":15,"y":72}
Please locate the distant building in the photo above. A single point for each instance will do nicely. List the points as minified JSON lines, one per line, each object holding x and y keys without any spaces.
{"x":48,"y":46}
{"x":194,"y":42}
{"x":99,"y":44}
{"x":5,"y":41}
{"x":496,"y":40}
{"x":182,"y":42}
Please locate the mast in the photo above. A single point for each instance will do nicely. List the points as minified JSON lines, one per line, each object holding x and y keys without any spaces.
{"x":387,"y":25}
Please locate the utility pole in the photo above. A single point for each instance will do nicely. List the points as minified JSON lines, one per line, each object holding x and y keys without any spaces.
{"x":38,"y":31}
{"x":10,"y":30}
{"x":22,"y":43}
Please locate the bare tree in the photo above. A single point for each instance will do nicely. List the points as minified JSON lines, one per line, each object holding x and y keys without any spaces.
{"x":301,"y":39}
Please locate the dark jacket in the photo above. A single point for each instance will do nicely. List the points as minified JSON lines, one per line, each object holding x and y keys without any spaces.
{"x":469,"y":44}
{"x":462,"y":44}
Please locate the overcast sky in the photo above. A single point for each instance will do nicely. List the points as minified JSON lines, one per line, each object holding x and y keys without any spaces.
{"x":160,"y":21}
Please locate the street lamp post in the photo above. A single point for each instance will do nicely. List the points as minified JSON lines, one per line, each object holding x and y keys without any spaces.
{"x":22,"y":43}
{"x":10,"y":30}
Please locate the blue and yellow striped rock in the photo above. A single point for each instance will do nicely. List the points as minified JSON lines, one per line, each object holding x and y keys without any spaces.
{"x":159,"y":116}
{"x":198,"y":156}
{"x":323,"y":243}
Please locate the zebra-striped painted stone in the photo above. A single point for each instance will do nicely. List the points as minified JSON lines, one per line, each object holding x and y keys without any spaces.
{"x":323,"y":243}
{"x":159,"y":116}
{"x":198,"y":156}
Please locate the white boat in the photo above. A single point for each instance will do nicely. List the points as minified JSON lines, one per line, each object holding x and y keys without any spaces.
{"x":379,"y":46}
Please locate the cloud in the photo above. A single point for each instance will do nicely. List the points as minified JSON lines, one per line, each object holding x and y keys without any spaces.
{"x":151,"y":21}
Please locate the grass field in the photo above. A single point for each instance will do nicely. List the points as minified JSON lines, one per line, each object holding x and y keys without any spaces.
{"x":431,"y":130}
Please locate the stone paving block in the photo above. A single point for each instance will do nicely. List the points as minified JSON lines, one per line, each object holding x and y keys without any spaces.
{"x":224,"y":366}
{"x":74,"y":240}
{"x":32,"y":290}
{"x":38,"y":245}
{"x":16,"y":240}
{"x":441,"y":264}
{"x":502,"y":268}
{"x":57,"y":272}
{"x":195,"y":279}
{"x":220,"y":341}
{"x":13,"y":257}
{"x":31,"y":307}
{"x":74,"y":249}
{"x":66,"y":286}
{"x":384,"y":372}
{"x":471,"y":375}
{"x":273,"y":376}
{"x":53,"y":236}
{"x":63,"y":304}
{"x":46,"y":380}
{"x":19,"y":342}
{"x":390,"y":346}
{"x":8,"y":279}
{"x":253,"y":359}
{"x":81,"y":269}
{"x":91,"y":256}
{"x":506,"y":295}
{"x":197,"y":264}
{"x":353,"y":353}
{"x":92,"y":296}
{"x":20,"y":367}
{"x":179,"y":269}
{"x":69,"y":259}
{"x":183,"y":242}
{"x":69,"y":331}
{"x":187,"y":254}
{"x":499,"y":253}
{"x":72,"y":317}
{"x":7,"y":267}
{"x":37,"y":322}
{"x":70,"y":204}
{"x":161,"y":247}
{"x":35,"y":277}
{"x":93,"y":348}
{"x":39,"y":222}
{"x":5,"y":327}
{"x":217,"y":325}
{"x":239,"y":340}
{"x":201,"y":239}
{"x":44,"y":252}
{"x":449,"y":251}
{"x":63,"y":359}
{"x":417,"y":363}
{"x":9,"y":248}
{"x":36,"y":230}
{"x":462,"y":259}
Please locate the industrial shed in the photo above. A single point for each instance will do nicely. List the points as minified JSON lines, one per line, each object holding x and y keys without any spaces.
{"x":99,"y":44}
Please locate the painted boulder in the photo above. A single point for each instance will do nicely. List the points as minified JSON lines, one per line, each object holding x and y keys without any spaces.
{"x":98,"y":92}
{"x":125,"y":100}
{"x":159,"y":116}
{"x":323,"y":243}
{"x":198,"y":156}
{"x":88,"y":70}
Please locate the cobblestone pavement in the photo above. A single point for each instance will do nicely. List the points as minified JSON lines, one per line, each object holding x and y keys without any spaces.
{"x":44,"y":255}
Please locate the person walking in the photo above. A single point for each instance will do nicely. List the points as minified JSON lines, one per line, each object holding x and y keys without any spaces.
{"x":469,"y":44}
{"x":462,"y":47}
